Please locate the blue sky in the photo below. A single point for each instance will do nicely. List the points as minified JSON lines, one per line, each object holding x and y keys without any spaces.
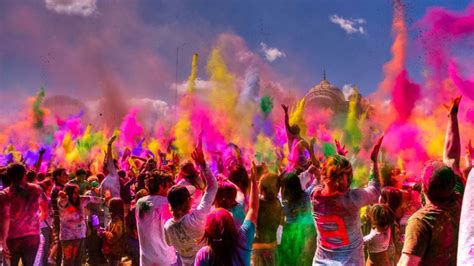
{"x":302,"y":30}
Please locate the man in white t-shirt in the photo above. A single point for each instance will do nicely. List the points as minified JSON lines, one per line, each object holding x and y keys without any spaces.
{"x":151,"y":214}
{"x":186,"y":228}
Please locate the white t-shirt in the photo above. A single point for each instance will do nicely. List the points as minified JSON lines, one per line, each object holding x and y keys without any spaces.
{"x":112,"y":181}
{"x":151,"y":232}
{"x":376,"y":241}
{"x":185,"y":233}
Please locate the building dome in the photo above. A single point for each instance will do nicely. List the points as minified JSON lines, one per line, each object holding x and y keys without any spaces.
{"x":326,"y":95}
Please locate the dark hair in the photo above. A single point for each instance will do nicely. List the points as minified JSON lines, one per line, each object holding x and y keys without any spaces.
{"x":81,"y":172}
{"x":16,"y":172}
{"x":226,"y":194}
{"x":222,"y":237}
{"x":69,"y":189}
{"x":116,"y":207}
{"x":239,"y":176}
{"x":30,"y":176}
{"x":269,"y":185}
{"x":438,"y":181}
{"x":291,"y":190}
{"x":156,"y":180}
{"x":122,"y":173}
{"x":381,"y":215}
{"x":57,"y":173}
{"x":4,"y":178}
{"x":392,"y":197}
{"x":178,"y":196}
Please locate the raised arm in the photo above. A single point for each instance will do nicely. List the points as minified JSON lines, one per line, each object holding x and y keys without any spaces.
{"x":211,"y":183}
{"x":290,"y":136}
{"x":40,"y":160}
{"x":371,"y":193}
{"x":252,"y":214}
{"x":109,"y":157}
{"x":452,"y":142}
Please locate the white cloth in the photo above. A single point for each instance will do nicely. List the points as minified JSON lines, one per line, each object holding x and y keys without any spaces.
{"x":376,"y":241}
{"x":185,"y":233}
{"x":151,"y":232}
{"x":112,"y":181}
{"x":466,"y":225}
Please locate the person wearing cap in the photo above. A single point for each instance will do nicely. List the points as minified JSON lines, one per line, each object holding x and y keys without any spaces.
{"x":186,"y":228}
{"x":432,"y":232}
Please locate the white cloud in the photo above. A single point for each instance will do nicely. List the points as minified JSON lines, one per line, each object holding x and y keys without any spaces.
{"x":350,"y":25}
{"x":271,"y":54}
{"x":72,"y":7}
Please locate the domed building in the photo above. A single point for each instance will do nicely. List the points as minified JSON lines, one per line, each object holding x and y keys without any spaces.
{"x":326,"y":95}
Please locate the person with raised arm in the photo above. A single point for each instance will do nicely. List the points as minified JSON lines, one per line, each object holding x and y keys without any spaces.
{"x":336,"y":211}
{"x":20,"y":207}
{"x":186,"y":228}
{"x":292,"y":131}
{"x":111,"y":181}
{"x":225,"y":243}
{"x":431,"y":236}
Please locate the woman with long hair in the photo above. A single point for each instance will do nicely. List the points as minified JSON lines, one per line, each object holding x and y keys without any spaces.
{"x":225,"y":243}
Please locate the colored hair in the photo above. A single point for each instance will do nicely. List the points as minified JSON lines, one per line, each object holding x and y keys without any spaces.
{"x":335,"y":168}
{"x":157,"y":179}
{"x":222,"y":237}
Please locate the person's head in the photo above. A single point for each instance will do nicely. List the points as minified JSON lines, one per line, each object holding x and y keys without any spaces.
{"x":269,"y":186}
{"x":60,"y":176}
{"x":189,"y":173}
{"x":93,"y":183}
{"x":101,"y":177}
{"x":158,"y":183}
{"x":438,"y":182}
{"x":226,"y":195}
{"x":180,"y":200}
{"x":72,"y":192}
{"x":41,"y":176}
{"x":392,"y":197}
{"x":116,"y":207}
{"x":381,"y":216}
{"x":239,"y":176}
{"x":291,"y":190}
{"x":337,"y":173}
{"x":222,"y":236}
{"x":81,"y":174}
{"x":31,"y":176}
{"x":16,"y":173}
{"x":122,"y":174}
{"x":140,"y":194}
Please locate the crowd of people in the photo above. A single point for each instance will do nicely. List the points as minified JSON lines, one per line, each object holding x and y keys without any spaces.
{"x":173,"y":212}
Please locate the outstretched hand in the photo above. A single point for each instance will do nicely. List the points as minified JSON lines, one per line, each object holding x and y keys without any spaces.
{"x":454,"y":105}
{"x":341,"y":150}
{"x":198,"y":154}
{"x":253,"y":172}
{"x":375,"y":150}
{"x":285,"y":108}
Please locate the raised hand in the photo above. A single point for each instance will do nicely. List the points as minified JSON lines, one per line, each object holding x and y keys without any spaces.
{"x":375,"y":150}
{"x":341,"y":150}
{"x":198,"y":154}
{"x":41,"y":151}
{"x":285,"y":108}
{"x":453,"y":107}
{"x":112,"y":139}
